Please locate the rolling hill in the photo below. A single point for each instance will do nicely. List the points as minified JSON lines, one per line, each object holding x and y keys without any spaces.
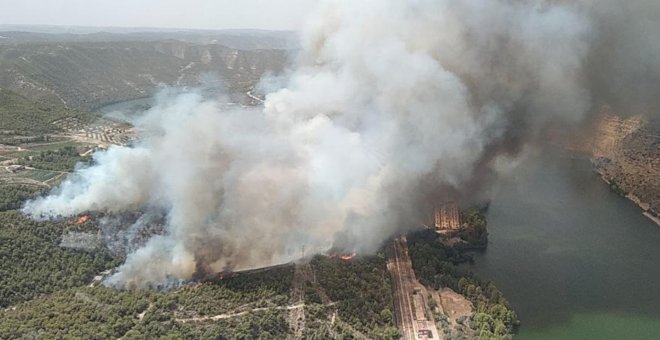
{"x":86,"y":75}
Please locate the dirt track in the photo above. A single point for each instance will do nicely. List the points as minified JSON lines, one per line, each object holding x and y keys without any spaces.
{"x":409,"y":295}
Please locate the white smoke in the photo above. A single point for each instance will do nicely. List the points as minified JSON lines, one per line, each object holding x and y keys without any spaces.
{"x":391,"y":104}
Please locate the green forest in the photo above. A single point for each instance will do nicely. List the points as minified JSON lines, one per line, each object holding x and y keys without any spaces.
{"x":24,"y":117}
{"x":13,"y":195}
{"x":476,"y":234}
{"x":33,"y":263}
{"x":64,"y":159}
{"x":437,"y":266}
{"x":362,"y":289}
{"x":106,"y":313}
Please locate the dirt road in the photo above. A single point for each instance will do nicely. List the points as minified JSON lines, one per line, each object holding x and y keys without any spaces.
{"x":411,"y":305}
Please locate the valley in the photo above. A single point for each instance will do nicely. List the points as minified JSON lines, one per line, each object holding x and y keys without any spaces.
{"x":555,"y":251}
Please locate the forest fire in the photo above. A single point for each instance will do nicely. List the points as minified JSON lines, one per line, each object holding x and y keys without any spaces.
{"x":225,"y":274}
{"x":347,"y":257}
{"x":344,"y":256}
{"x":82,"y":219}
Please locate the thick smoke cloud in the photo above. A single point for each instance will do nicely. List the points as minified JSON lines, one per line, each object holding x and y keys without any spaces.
{"x":392,"y":106}
{"x":624,"y":62}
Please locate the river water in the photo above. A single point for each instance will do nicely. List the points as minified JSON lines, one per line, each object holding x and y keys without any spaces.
{"x":575,"y":260}
{"x":124,"y":110}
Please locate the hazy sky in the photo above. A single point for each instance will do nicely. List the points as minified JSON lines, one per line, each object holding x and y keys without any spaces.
{"x":206,"y":14}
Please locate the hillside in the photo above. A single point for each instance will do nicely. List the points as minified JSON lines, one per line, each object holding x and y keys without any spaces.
{"x":85,"y":75}
{"x":20,"y":115}
{"x":242,"y":39}
{"x":627,"y":154}
{"x":625,"y":151}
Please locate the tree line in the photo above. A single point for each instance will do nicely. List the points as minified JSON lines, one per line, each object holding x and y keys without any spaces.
{"x":437,"y":266}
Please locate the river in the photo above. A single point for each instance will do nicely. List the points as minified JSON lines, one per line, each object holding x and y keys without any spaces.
{"x":124,"y":110}
{"x":128,"y":109}
{"x":575,"y":260}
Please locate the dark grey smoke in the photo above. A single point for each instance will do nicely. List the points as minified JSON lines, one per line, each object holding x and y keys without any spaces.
{"x":393,"y":106}
{"x":623,"y":64}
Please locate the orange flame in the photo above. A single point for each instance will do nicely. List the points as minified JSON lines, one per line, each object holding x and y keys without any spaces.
{"x":225,"y":274}
{"x":347,"y":257}
{"x":82,"y":219}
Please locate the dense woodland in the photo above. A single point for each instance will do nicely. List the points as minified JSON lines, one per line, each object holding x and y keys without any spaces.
{"x":476,"y":234}
{"x":360,"y":289}
{"x":437,"y":266}
{"x":32,"y":262}
{"x":64,"y":159}
{"x":105,"y":313}
{"x":238,"y":293}
{"x":12,"y":195}
{"x":363,"y":292}
{"x":23,"y":118}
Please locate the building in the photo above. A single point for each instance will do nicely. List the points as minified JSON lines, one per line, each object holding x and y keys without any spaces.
{"x":447,"y":217}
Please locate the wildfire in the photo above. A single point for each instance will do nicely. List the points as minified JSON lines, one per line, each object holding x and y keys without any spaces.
{"x":82,"y":219}
{"x":225,"y":274}
{"x":345,"y":257}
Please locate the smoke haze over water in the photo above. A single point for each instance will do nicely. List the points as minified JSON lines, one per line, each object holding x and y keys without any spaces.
{"x":391,"y":106}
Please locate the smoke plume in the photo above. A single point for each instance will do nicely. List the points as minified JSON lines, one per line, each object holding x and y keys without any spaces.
{"x":391,"y":106}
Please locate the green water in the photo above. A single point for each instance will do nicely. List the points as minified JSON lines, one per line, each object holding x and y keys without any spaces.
{"x":575,"y":260}
{"x":126,"y":108}
{"x":598,"y":326}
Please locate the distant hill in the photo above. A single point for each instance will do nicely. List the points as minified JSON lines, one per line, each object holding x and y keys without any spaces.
{"x":244,"y":39}
{"x":85,"y":75}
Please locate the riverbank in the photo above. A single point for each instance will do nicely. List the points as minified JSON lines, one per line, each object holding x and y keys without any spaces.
{"x":561,"y":239}
{"x":465,"y":306}
{"x":599,"y":168}
{"x":624,"y":152}
{"x":646,"y":207}
{"x":648,"y":212}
